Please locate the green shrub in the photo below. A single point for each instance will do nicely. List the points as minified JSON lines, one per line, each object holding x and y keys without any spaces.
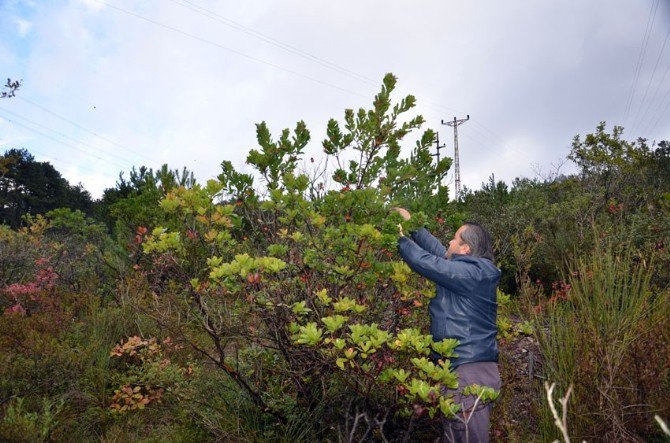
{"x":20,"y":424}
{"x":304,"y":304}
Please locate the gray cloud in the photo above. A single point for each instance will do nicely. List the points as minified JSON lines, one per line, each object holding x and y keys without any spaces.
{"x":530,"y":74}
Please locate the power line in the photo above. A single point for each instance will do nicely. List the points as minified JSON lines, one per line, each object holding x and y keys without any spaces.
{"x":56,"y":159}
{"x":651,"y":79}
{"x":226,"y":48}
{"x":273,"y":41}
{"x":264,"y":37}
{"x":59,"y":160}
{"x":119,"y":145}
{"x":659,"y":103}
{"x":494,"y":138}
{"x":485,"y":145}
{"x":662,"y":113}
{"x":640,"y":58}
{"x":258,"y":35}
{"x":292,"y":49}
{"x":57,"y":141}
{"x":62,"y":135}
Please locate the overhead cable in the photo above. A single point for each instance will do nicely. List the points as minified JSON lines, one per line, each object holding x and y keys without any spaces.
{"x":101,"y":137}
{"x":640,"y":58}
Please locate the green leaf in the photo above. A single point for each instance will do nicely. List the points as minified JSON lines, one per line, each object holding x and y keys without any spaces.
{"x":445,"y":347}
{"x":448,"y":407}
{"x":400,"y":374}
{"x":421,"y":389}
{"x":346,"y":304}
{"x":339,"y":343}
{"x":335,"y":322}
{"x":309,"y":335}
{"x":323,"y":296}
{"x":300,"y":308}
{"x":485,"y":393}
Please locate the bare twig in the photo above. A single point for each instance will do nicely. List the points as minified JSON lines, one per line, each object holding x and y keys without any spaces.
{"x":561,"y":421}
{"x":410,"y":426}
{"x":465,"y":420}
{"x":662,"y":424}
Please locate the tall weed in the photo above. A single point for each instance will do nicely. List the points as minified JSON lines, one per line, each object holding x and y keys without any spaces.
{"x":607,"y":331}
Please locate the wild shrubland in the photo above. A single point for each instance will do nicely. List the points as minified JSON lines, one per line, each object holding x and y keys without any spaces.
{"x":274,"y":306}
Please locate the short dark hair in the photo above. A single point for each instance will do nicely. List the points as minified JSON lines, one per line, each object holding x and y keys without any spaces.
{"x":478,"y":239}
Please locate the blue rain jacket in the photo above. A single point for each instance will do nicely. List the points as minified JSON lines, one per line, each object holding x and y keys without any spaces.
{"x":464,"y":306}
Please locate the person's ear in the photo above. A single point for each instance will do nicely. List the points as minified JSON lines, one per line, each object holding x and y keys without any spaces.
{"x":465,"y":249}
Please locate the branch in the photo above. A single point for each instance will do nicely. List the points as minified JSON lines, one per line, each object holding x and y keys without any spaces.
{"x":562,"y":421}
{"x":662,"y":424}
{"x":209,"y":328}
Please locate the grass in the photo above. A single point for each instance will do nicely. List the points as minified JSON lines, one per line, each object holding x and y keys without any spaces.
{"x":591,"y":340}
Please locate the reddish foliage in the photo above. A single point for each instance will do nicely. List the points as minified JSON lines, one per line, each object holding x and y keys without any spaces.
{"x":560,"y":290}
{"x":16,"y":309}
{"x":140,"y":233}
{"x":32,"y":291}
{"x":614,"y":208}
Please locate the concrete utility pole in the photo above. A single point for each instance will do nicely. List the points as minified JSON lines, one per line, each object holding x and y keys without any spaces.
{"x":437,"y":147}
{"x":457,"y":170}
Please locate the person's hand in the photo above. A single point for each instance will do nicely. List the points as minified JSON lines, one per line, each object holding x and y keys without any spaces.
{"x":404,"y":213}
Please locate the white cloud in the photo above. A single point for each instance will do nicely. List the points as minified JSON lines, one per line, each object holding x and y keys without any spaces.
{"x":24,"y":26}
{"x":91,"y":5}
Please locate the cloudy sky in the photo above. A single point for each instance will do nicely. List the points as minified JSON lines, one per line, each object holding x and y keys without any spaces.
{"x":116,"y":83}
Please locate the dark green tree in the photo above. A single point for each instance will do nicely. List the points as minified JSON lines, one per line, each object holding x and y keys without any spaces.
{"x":31,"y":187}
{"x":615,"y":169}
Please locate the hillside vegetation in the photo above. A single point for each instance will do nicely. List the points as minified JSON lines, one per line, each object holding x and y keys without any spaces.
{"x":275,"y":307}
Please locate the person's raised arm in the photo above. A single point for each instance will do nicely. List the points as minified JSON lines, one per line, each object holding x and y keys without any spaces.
{"x":455,"y":276}
{"x":429,"y":242}
{"x":423,"y":238}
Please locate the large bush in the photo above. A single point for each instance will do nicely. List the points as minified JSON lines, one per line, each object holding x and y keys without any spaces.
{"x":304,"y":303}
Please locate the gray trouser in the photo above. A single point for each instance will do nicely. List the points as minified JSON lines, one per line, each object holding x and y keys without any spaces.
{"x":472,"y":426}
